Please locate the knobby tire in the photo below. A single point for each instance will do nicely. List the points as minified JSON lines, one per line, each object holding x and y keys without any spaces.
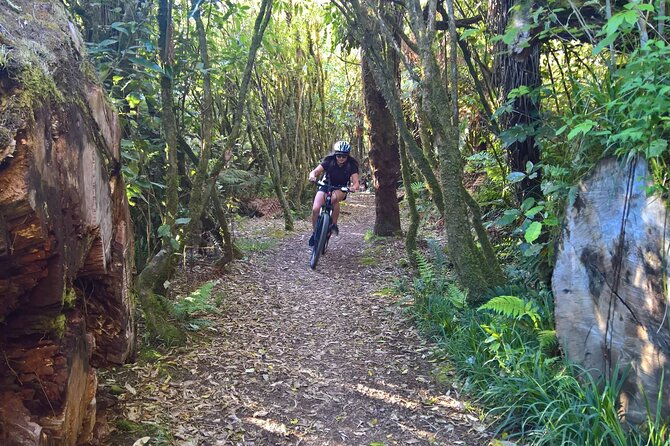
{"x":322,"y":235}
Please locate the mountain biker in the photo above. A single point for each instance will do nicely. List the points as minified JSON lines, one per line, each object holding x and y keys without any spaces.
{"x":340,"y":169}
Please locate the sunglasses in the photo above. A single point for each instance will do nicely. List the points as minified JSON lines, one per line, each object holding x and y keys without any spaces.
{"x":341,"y":155}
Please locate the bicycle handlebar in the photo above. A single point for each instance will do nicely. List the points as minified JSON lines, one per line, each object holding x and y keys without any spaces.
{"x":342,"y":188}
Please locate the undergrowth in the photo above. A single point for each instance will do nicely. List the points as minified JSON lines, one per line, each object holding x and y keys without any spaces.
{"x":508,"y":347}
{"x":191,"y":309}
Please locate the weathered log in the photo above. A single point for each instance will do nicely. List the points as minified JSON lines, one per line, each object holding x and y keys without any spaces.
{"x":65,"y":243}
{"x":610,"y":283}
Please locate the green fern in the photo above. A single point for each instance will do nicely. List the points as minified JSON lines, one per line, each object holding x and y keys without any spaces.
{"x":198,"y":302}
{"x":513,"y":307}
{"x":418,"y":186}
{"x":239,"y":182}
{"x":548,"y":339}
{"x":426,"y":271}
{"x":440,"y":260}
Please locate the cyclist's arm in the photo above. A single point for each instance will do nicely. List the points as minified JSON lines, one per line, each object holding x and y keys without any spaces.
{"x":313,"y":175}
{"x":354,"y":183}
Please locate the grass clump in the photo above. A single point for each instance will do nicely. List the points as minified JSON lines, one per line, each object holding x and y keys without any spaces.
{"x":255,"y":245}
{"x":159,"y":435}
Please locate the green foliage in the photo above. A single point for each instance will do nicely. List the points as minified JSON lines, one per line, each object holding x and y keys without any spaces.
{"x":512,"y":307}
{"x":255,"y":245}
{"x":191,"y":308}
{"x":508,"y":347}
{"x":240,"y":183}
{"x":425,"y":267}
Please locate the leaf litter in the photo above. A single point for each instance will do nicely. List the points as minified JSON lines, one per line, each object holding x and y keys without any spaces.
{"x":295,"y":356}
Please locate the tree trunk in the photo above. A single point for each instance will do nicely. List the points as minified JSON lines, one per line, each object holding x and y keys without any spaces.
{"x":168,"y":120}
{"x":206,"y":113}
{"x":410,"y":237}
{"x":65,"y":238}
{"x":384,"y":154}
{"x":517,"y":66}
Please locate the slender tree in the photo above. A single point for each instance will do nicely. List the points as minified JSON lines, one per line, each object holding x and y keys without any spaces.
{"x":203,"y":188}
{"x":270,"y":152}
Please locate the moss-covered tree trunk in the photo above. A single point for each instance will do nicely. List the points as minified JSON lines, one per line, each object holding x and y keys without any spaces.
{"x":410,"y":236}
{"x":66,"y":249}
{"x":156,"y":312}
{"x":206,"y":113}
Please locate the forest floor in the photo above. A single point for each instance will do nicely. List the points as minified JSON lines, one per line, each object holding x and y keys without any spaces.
{"x":295,"y":356}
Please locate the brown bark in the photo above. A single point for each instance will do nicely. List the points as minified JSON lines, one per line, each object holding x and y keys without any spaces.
{"x":384,"y":154}
{"x":65,"y":243}
{"x":515,"y":66}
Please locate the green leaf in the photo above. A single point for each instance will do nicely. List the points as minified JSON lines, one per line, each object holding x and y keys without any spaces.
{"x":146,"y":63}
{"x":182,"y":221}
{"x":656,"y":148}
{"x":164,"y":231}
{"x":527,"y":204}
{"x":533,"y":211}
{"x":551,"y":221}
{"x":134,"y":99}
{"x":630,"y":17}
{"x":613,"y":24}
{"x":107,"y":42}
{"x":515,"y":177}
{"x":508,"y":217}
{"x":533,"y":231}
{"x":531,"y":250}
{"x":511,"y":34}
{"x":120,"y":27}
{"x":561,"y":130}
{"x":465,"y":35}
{"x":605,"y":42}
{"x":582,"y":128}
{"x":517,"y":92}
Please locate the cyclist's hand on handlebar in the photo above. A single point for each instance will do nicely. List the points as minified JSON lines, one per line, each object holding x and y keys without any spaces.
{"x":312,"y":179}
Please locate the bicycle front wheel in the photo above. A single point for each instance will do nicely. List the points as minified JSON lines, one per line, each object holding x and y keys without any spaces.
{"x":321,"y":236}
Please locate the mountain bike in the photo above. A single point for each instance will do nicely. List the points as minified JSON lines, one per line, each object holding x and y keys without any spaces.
{"x":322,"y":231}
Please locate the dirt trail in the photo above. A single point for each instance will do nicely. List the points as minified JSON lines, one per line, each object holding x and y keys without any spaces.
{"x":302,"y":357}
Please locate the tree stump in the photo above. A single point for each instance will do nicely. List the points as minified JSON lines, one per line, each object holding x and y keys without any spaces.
{"x":65,"y":239}
{"x":610,"y":283}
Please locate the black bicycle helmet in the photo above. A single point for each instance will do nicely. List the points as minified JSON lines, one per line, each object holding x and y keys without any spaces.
{"x":341,"y":147}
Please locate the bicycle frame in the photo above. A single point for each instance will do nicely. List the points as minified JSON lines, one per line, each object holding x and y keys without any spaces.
{"x":322,"y":230}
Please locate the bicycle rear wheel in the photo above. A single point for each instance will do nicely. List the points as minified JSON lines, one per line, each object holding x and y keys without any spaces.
{"x":320,"y":240}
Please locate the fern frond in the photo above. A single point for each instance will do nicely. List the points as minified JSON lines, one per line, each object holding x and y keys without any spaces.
{"x":426,"y":272}
{"x":547,"y":338}
{"x":456,"y":296}
{"x":239,"y":182}
{"x":437,"y":251}
{"x":511,"y":306}
{"x":418,"y":186}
